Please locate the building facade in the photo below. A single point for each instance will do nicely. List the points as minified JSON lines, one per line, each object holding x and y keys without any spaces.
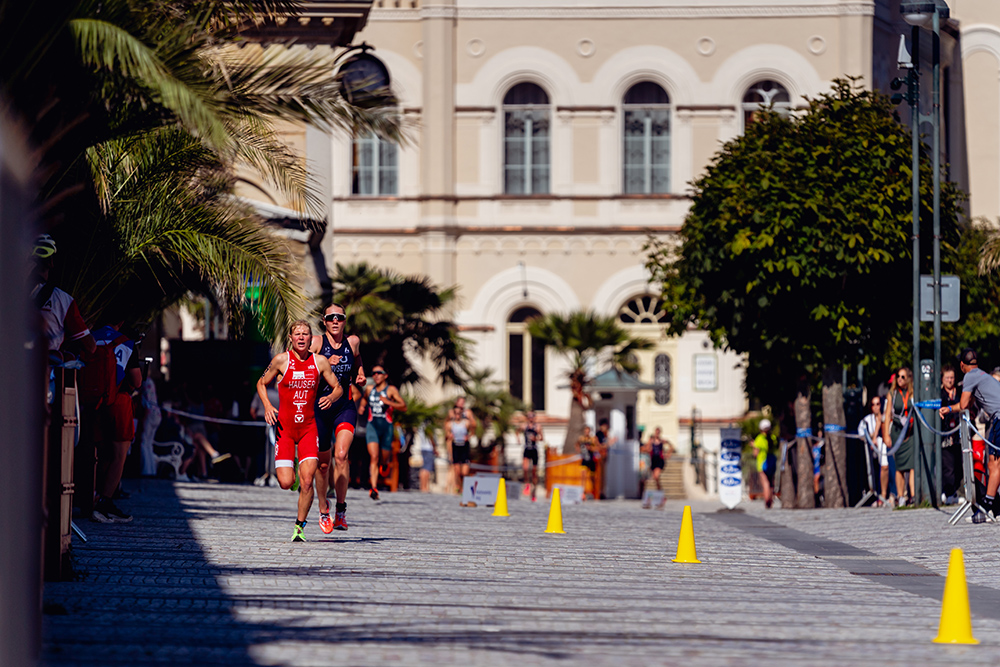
{"x":548,"y":140}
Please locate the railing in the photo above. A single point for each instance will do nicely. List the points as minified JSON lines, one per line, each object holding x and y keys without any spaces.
{"x":60,"y":438}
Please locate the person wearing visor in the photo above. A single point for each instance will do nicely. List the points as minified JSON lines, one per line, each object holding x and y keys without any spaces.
{"x":337,"y":418}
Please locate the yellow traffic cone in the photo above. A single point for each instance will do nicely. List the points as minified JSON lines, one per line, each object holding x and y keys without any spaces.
{"x":956,"y":620}
{"x":500,"y":506}
{"x":555,"y":515}
{"x":685,"y":545}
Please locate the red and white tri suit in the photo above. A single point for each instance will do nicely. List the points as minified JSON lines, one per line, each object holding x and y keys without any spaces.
{"x":296,"y":417}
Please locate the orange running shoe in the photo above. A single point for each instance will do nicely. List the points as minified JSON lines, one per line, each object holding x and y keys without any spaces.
{"x":325,"y":524}
{"x":340,"y":521}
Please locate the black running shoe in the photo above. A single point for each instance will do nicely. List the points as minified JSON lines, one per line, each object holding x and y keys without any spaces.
{"x":106,"y":511}
{"x":373,"y":494}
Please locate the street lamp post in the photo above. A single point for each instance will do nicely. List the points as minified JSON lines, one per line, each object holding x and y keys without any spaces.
{"x":920,"y":13}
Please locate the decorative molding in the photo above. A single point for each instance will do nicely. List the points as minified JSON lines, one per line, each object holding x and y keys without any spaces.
{"x":524,"y":199}
{"x":586,"y":48}
{"x":705,"y":46}
{"x":816,"y":45}
{"x":418,"y":49}
{"x":499,"y":243}
{"x":475,"y":47}
{"x":720,"y":10}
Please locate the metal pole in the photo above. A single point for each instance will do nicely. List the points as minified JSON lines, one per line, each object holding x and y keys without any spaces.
{"x":936,"y":120}
{"x":914,"y":91}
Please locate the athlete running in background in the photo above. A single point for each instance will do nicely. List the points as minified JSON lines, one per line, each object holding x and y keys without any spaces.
{"x":457,"y":428}
{"x":299,"y":371}
{"x":529,"y":461}
{"x":336,"y":416}
{"x":381,"y":401}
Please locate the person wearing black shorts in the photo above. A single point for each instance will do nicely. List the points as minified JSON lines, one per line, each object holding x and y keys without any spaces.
{"x":457,"y":428}
{"x":336,"y":419}
{"x":529,"y":462}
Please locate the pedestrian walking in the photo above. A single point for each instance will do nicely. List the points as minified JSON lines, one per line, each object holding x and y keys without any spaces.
{"x":336,"y":418}
{"x":298,"y":372}
{"x":985,"y":390}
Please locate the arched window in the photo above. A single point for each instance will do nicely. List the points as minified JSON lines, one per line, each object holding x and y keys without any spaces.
{"x":375,"y":166}
{"x":762,"y":95}
{"x":646,"y":108}
{"x":642,"y":310}
{"x":526,"y":140}
{"x":525,"y":359}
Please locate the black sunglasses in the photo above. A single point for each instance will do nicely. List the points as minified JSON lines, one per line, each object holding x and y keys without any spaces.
{"x":335,"y":317}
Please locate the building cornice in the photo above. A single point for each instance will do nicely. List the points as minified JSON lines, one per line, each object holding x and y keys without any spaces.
{"x":509,"y":230}
{"x":691,"y":11}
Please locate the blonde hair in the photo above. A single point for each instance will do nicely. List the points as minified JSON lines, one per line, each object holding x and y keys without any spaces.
{"x":299,"y":323}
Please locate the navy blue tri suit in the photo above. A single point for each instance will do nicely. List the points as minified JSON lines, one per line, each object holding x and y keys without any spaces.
{"x":343,"y":414}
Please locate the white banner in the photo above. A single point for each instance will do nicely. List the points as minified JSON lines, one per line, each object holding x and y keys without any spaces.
{"x":731,"y":468}
{"x":480,"y":489}
{"x":569,"y":494}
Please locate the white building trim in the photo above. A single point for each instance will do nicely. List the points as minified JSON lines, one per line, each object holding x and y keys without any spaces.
{"x":625,"y":284}
{"x":981,"y":38}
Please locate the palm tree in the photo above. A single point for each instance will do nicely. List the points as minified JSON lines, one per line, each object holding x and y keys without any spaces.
{"x":398,"y":319}
{"x":586,"y":339}
{"x":100,"y":79}
{"x":493,"y":406}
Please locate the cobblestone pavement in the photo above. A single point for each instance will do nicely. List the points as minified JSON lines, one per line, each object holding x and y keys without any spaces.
{"x":206,"y":575}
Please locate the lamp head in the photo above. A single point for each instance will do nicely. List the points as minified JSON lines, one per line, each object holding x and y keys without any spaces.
{"x":920,"y":12}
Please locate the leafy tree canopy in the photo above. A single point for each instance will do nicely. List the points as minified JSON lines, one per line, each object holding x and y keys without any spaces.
{"x":796,"y":249}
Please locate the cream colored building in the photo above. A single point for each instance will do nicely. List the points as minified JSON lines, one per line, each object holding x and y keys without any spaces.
{"x":550,"y":138}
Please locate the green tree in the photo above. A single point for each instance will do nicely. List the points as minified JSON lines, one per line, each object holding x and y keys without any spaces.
{"x":400,"y":321}
{"x":587,"y":340}
{"x":494,"y":408}
{"x":796,"y":251}
{"x":116,"y":93}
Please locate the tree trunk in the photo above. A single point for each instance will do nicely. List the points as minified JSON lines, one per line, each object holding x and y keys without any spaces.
{"x":835,"y":492}
{"x":788,"y":478}
{"x":804,"y":496}
{"x":574,"y":429}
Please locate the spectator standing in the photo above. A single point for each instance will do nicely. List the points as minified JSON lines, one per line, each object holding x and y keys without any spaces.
{"x":766,"y":447}
{"x":114,"y":428}
{"x":270,"y":434}
{"x":589,"y":447}
{"x":61,"y":318}
{"x":871,"y":425}
{"x":426,"y":445}
{"x":951,"y":448}
{"x":898,"y":415}
{"x":985,"y":389}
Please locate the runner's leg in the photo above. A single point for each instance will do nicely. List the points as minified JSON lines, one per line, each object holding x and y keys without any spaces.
{"x":373,"y":461}
{"x":307,"y":471}
{"x":341,"y":466}
{"x":323,"y":480}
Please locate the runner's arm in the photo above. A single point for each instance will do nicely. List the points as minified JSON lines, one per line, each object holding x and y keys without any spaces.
{"x":355,"y":344}
{"x":395,"y":400}
{"x":272,"y":371}
{"x":323,"y":366}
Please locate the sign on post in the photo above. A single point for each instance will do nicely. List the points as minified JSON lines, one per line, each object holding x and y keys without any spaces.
{"x":731,"y":468}
{"x":951,"y":293}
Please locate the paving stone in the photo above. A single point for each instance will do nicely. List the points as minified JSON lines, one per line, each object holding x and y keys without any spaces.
{"x":206,"y":575}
